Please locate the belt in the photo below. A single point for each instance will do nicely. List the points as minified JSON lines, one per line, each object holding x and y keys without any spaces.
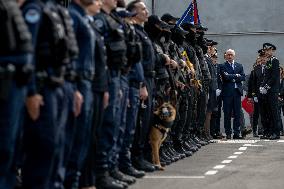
{"x":150,"y":74}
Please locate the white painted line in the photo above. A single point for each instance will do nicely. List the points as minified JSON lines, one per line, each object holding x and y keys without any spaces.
{"x":247,"y":145}
{"x":232,"y":157}
{"x":267,"y":140}
{"x":211,"y":172}
{"x":280,"y":141}
{"x":219,"y":166}
{"x":173,"y":177}
{"x":236,"y":141}
{"x":252,"y":145}
{"x":243,"y":148}
{"x":238,"y":153}
{"x":227,"y":161}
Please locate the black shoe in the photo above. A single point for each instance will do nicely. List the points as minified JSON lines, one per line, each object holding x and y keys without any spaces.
{"x":194,"y":143}
{"x":237,"y":137}
{"x":143,"y":165}
{"x":228,"y":137}
{"x":265,"y":137}
{"x":107,"y":182}
{"x":164,"y":156}
{"x":116,"y":174}
{"x":164,"y":162}
{"x":131,"y":171}
{"x":274,"y":137}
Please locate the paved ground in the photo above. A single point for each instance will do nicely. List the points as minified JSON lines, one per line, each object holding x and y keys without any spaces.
{"x":232,"y":164}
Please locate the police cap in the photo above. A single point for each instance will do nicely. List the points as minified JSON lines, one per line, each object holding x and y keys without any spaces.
{"x":168,"y":18}
{"x":268,"y":46}
{"x":210,"y":42}
{"x":180,"y":31}
{"x":155,"y":20}
{"x":126,"y":14}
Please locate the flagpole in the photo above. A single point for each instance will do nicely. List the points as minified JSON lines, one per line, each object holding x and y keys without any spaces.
{"x":153,"y":6}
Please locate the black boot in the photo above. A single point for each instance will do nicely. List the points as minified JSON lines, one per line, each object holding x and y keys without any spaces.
{"x":105,"y":181}
{"x":141,"y":164}
{"x":116,"y":174}
{"x":131,"y":171}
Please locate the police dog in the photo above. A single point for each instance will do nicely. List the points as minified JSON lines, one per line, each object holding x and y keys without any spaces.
{"x":164,"y":118}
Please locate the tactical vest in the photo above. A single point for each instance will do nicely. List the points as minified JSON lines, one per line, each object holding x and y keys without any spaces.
{"x":14,"y":34}
{"x":69,"y":30}
{"x":134,"y":46}
{"x":116,"y":45}
{"x":52,"y":42}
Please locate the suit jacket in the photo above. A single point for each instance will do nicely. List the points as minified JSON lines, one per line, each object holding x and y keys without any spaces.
{"x":230,"y":78}
{"x":257,"y":80}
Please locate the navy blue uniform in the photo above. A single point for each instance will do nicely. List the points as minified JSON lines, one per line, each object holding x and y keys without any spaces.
{"x":41,"y":137}
{"x":145,"y":113}
{"x":116,"y":57}
{"x":85,"y":69}
{"x":15,"y":54}
{"x":100,"y":86}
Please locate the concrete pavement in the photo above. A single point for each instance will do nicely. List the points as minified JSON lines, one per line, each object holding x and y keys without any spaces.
{"x":232,"y":164}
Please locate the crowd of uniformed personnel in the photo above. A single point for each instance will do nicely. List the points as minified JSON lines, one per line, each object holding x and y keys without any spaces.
{"x":265,"y":91}
{"x":80,"y":81}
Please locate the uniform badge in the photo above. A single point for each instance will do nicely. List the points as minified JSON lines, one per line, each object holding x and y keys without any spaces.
{"x":32,"y":16}
{"x":99,"y":23}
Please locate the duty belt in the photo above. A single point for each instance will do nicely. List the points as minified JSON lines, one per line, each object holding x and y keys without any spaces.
{"x":86,"y":76}
{"x":150,"y":74}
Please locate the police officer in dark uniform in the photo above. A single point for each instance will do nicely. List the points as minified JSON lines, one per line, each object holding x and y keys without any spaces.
{"x":101,"y":95}
{"x":116,"y":47}
{"x":15,"y":71}
{"x":192,"y":129}
{"x":130,"y":85}
{"x":133,"y":66}
{"x":44,"y":124}
{"x":213,"y":91}
{"x":146,"y":94}
{"x":85,"y":70}
{"x":255,"y":79}
{"x":181,"y":146}
{"x":269,"y":88}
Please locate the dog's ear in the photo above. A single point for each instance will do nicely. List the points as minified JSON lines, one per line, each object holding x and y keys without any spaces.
{"x":157,"y":112}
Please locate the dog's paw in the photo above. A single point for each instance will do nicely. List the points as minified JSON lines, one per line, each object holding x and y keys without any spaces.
{"x":159,"y":168}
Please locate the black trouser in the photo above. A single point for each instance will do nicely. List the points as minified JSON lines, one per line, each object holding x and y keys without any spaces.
{"x":143,"y":122}
{"x":201,"y":110}
{"x":216,"y":119}
{"x":255,"y":117}
{"x":87,"y":178}
{"x":190,"y":119}
{"x":269,"y":113}
{"x":177,"y":130}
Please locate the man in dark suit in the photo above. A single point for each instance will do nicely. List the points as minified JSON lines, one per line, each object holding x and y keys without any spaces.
{"x":269,"y":88}
{"x":232,"y":74}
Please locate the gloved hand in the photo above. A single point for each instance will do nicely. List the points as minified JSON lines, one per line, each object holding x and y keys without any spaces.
{"x":218,"y":92}
{"x":255,"y":99}
{"x":262,"y":90}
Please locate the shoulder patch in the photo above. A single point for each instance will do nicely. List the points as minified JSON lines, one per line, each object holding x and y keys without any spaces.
{"x":32,"y":16}
{"x":99,"y":23}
